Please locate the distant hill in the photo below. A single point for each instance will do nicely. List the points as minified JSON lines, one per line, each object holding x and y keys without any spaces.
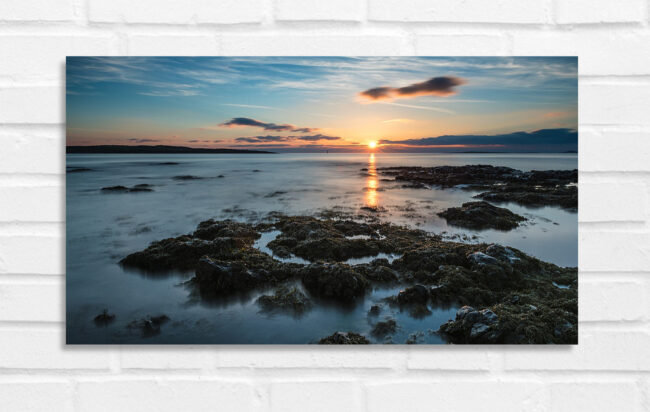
{"x":152,"y":149}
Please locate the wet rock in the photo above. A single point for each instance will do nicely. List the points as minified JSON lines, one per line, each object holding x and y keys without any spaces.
{"x":150,"y":326}
{"x":124,"y":189}
{"x":217,"y":278}
{"x":344,"y":338}
{"x":104,"y":318}
{"x":375,"y":310}
{"x":115,"y":189}
{"x":419,"y":310}
{"x":182,"y":252}
{"x":333,"y":281}
{"x":473,"y":326}
{"x":285,"y":299}
{"x":212,"y":229}
{"x":502,"y":253}
{"x":500,"y":184}
{"x":256,"y":171}
{"x":417,"y":294}
{"x":482,"y":215}
{"x":563,"y":329}
{"x":275,"y":194}
{"x":382,"y":329}
{"x":70,"y":169}
{"x":165,"y":164}
{"x":480,"y":258}
{"x":186,"y":177}
{"x":220,"y":176}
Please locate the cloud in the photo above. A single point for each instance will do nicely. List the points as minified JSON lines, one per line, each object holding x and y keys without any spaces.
{"x":398,"y":120}
{"x":246,"y":121}
{"x":561,"y":139}
{"x":272,"y":138}
{"x":436,"y":86}
{"x":134,"y":140}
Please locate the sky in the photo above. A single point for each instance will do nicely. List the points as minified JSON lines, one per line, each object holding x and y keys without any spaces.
{"x":313,"y":104}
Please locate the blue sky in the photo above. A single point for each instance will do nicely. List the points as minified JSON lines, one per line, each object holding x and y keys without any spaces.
{"x":325,"y":103}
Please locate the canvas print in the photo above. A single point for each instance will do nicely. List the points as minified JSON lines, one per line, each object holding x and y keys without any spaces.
{"x":322,"y":200}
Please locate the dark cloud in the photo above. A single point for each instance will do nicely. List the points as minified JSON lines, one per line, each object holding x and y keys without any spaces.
{"x":544,"y":140}
{"x":436,"y":86}
{"x":272,"y":138}
{"x":245,"y":121}
{"x":134,"y":140}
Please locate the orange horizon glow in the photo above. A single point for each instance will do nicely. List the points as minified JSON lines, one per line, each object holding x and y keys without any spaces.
{"x":372,"y":144}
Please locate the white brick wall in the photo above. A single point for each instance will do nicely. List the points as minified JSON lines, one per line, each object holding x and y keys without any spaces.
{"x":609,"y":369}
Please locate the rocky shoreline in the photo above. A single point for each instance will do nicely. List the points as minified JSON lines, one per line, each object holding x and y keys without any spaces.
{"x":510,"y":297}
{"x":496,"y":183}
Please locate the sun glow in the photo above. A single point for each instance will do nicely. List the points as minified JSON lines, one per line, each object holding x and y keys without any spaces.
{"x":372,"y":144}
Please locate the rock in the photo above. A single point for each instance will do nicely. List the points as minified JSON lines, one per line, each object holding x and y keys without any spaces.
{"x":220,"y":176}
{"x":221,"y":278}
{"x":333,"y":281}
{"x":115,"y":189}
{"x":462,"y":312}
{"x":70,"y":169}
{"x":477,"y":330}
{"x":374,"y":310}
{"x":186,"y":177}
{"x":414,"y":294}
{"x":488,"y":317}
{"x":419,"y":310}
{"x":482,"y":215}
{"x":382,"y":329}
{"x":562,"y":329}
{"x":480,"y":258}
{"x":150,"y":326}
{"x":212,"y":229}
{"x":104,"y":318}
{"x":344,"y":338}
{"x":498,"y":183}
{"x":285,"y":299}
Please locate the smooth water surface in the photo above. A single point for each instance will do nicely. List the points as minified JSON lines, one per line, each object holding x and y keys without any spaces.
{"x":103,"y":227}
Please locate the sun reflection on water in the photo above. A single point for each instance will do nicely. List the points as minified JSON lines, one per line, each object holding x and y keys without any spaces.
{"x":371,"y":183}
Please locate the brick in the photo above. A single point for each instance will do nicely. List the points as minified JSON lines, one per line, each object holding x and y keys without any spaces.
{"x":314,"y":45}
{"x":32,"y":255}
{"x":595,"y":396}
{"x":42,"y":58}
{"x":460,"y":45}
{"x":36,"y":396}
{"x":334,"y":10}
{"x":449,"y":358}
{"x":612,"y":201}
{"x":320,"y":396}
{"x":32,"y":150}
{"x":308,"y":357}
{"x":44,"y":103}
{"x":45,"y":349}
{"x":599,"y":11}
{"x":168,"y":395}
{"x":614,"y":103}
{"x":598,"y":350}
{"x":613,"y":251}
{"x":611,"y":301}
{"x":591,"y":46}
{"x":470,"y":11}
{"x":32,"y":302}
{"x":37,"y":10}
{"x":172,"y":45}
{"x":26,"y":204}
{"x":613,"y":150}
{"x":173,"y":12}
{"x":455,"y":396}
{"x":170,"y":357}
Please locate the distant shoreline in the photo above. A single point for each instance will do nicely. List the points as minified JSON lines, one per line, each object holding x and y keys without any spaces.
{"x":159,"y":149}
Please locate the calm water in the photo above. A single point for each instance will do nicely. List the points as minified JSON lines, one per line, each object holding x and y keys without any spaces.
{"x":102,"y":228}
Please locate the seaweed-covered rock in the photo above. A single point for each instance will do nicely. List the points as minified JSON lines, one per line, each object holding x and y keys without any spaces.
{"x":384,"y":328}
{"x":182,"y":252}
{"x":211,"y":229}
{"x":285,"y":299}
{"x":473,"y":326}
{"x":333,"y":281}
{"x":417,"y":294}
{"x":499,"y":183}
{"x":344,"y":338}
{"x":104,"y":318}
{"x":216,"y":277}
{"x":482,"y":215}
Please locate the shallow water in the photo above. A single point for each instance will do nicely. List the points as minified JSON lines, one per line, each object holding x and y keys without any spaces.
{"x":104,"y":227}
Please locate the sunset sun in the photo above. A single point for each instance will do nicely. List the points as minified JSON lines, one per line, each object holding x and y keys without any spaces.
{"x":372,"y":144}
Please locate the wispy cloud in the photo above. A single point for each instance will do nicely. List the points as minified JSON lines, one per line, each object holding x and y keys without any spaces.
{"x":134,"y":140}
{"x":436,"y":86}
{"x":246,"y":121}
{"x":414,"y":106}
{"x":273,"y":138}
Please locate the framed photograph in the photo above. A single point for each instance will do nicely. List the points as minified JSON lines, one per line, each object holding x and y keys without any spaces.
{"x":322,"y":200}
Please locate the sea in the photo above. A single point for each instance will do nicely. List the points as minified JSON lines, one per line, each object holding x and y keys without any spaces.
{"x":102,"y":228}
